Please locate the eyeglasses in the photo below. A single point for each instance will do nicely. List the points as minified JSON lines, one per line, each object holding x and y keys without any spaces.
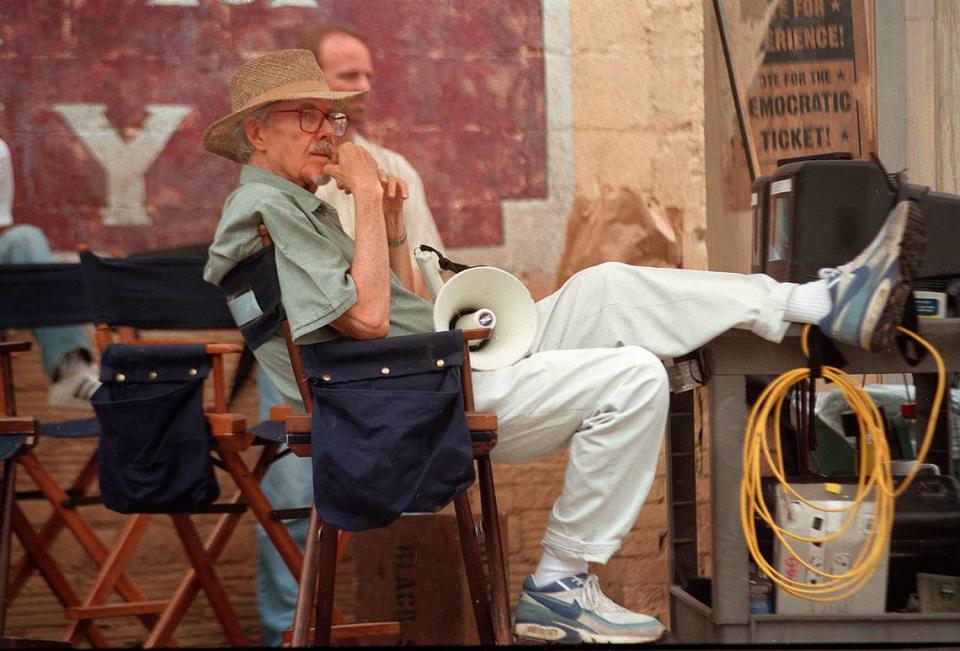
{"x":311,"y":119}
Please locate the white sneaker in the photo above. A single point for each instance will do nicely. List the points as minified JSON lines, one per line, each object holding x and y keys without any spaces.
{"x":870,"y":293}
{"x":75,"y":381}
{"x":574,"y":610}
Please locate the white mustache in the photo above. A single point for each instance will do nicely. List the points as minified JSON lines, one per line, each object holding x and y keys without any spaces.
{"x":324,"y":148}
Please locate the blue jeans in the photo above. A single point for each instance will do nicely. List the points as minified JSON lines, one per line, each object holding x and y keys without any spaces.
{"x":288,"y":484}
{"x":26,"y":245}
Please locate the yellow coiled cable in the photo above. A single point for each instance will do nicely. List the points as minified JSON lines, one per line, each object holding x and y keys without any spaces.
{"x":873,"y":476}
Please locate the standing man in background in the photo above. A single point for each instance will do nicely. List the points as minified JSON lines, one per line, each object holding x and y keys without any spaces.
{"x":345,"y":59}
{"x":65,"y":351}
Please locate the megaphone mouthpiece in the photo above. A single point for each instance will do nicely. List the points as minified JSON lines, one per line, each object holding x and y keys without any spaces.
{"x":469,"y":319}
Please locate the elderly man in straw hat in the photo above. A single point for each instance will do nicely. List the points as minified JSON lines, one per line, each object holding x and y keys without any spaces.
{"x":594,"y":382}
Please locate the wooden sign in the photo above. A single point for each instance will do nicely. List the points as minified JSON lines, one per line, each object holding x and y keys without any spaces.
{"x":813,"y":92}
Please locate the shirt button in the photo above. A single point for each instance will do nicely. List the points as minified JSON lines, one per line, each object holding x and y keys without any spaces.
{"x":192,"y":372}
{"x":441,"y":363}
{"x":326,"y":377}
{"x":385,"y":370}
{"x":121,"y":377}
{"x":152,"y":375}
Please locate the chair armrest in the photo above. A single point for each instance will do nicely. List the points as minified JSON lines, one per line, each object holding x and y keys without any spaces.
{"x":481,"y":421}
{"x":14,"y":346}
{"x":221,"y":349}
{"x":477,"y":334}
{"x":229,"y":431}
{"x":298,"y":428}
{"x":485,"y":422}
{"x":298,"y":423}
{"x":280,"y":412}
{"x":14,"y":425}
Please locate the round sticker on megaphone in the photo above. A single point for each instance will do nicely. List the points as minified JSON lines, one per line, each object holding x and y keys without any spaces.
{"x":487,"y":297}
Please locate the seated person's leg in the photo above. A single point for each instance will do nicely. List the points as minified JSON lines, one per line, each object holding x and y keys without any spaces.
{"x":65,"y":350}
{"x":276,"y":586}
{"x":609,"y":407}
{"x":268,"y":393}
{"x":671,"y":312}
{"x":288,"y":484}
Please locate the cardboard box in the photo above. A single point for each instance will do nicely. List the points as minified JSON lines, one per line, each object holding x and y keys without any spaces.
{"x":834,"y":556}
{"x":412,"y":572}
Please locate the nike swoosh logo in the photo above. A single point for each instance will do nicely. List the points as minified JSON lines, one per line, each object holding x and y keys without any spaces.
{"x":562,"y":608}
{"x":861,"y":276}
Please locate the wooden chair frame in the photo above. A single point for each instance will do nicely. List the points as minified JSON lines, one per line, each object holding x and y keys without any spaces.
{"x":37,"y":545}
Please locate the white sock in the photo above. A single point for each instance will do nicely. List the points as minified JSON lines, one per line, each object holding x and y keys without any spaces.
{"x":808,"y":303}
{"x":552,"y":568}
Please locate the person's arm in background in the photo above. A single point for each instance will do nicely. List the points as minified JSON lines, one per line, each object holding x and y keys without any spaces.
{"x":401,"y":260}
{"x":421,"y":228}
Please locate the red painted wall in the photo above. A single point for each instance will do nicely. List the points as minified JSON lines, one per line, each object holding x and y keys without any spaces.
{"x":459,"y":91}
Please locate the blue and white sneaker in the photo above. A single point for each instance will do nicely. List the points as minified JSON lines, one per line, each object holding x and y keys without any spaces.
{"x":869,"y":293}
{"x":574,"y":610}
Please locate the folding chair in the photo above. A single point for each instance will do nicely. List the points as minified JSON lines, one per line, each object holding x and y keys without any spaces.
{"x":168,"y":294}
{"x":43,"y":295}
{"x":14,"y":433}
{"x":324,"y":542}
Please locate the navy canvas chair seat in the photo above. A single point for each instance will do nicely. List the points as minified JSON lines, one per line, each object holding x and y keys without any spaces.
{"x":269,"y":431}
{"x":70,"y":429}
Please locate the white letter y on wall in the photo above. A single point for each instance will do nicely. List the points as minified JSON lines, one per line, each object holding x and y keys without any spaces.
{"x":125,"y":163}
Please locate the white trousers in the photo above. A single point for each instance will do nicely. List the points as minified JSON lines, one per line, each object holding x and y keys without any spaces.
{"x":595,"y":384}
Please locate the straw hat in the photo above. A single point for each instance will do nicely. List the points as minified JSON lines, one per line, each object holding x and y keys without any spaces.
{"x":274,"y":77}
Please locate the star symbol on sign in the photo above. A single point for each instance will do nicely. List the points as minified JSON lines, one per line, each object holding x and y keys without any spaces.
{"x":840,"y":75}
{"x":844,"y":136}
{"x":835,"y":5}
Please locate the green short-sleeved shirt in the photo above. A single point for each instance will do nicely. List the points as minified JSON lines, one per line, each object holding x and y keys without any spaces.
{"x":313,"y":256}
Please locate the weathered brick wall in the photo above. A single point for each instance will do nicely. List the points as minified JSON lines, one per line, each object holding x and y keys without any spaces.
{"x":104,"y":104}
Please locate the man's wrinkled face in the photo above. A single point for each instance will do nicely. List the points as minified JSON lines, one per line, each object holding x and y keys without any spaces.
{"x":285,"y":149}
{"x":347,"y":65}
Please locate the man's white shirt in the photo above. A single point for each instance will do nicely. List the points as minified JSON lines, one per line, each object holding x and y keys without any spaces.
{"x":421,"y":229}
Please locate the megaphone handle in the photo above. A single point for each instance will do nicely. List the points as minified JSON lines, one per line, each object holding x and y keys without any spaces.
{"x":430,"y":271}
{"x":445,"y":263}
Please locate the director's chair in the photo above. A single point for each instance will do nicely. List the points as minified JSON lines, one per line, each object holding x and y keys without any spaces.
{"x":45,"y":295}
{"x":169,"y":294}
{"x":324,"y":545}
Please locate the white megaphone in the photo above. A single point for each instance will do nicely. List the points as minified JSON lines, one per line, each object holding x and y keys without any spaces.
{"x":487,"y":297}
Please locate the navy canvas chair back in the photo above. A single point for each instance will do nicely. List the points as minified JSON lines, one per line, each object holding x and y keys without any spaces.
{"x":252,"y":291}
{"x":39,"y":295}
{"x":389,"y":432}
{"x":154,"y":450}
{"x":154,"y":446}
{"x":47,"y":295}
{"x":162,"y":293}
